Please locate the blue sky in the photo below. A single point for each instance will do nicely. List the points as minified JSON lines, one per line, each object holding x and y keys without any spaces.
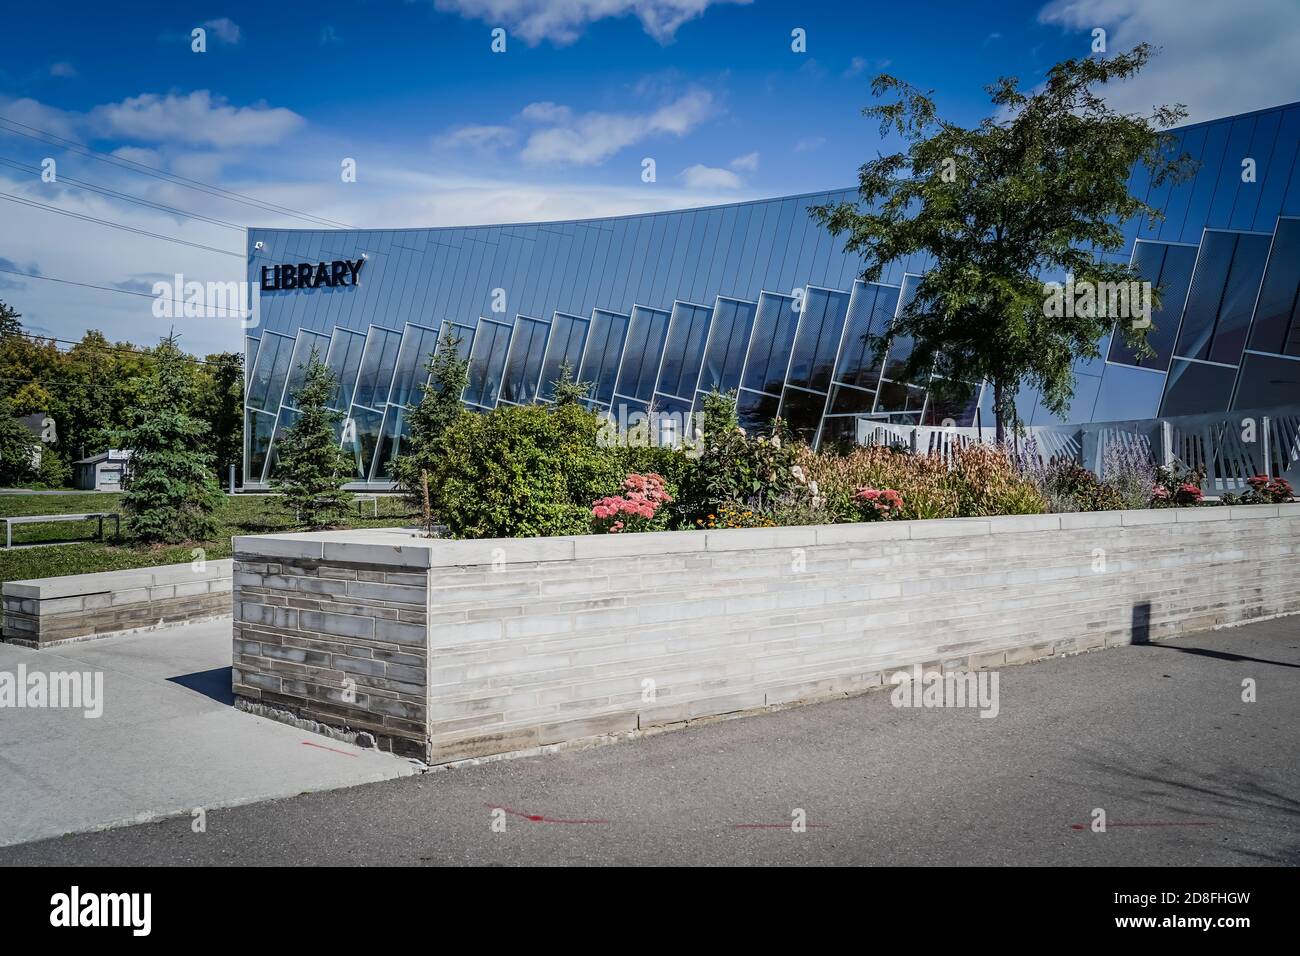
{"x":446,"y":132}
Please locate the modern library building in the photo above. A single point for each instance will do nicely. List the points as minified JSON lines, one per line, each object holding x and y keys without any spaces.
{"x":757,"y":297}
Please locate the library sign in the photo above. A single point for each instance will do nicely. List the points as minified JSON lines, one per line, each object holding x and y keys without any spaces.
{"x":312,"y":275}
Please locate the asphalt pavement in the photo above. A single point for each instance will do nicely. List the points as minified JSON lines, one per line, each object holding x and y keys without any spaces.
{"x":1158,"y":737}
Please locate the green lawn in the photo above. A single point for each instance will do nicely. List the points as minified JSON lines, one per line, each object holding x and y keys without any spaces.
{"x":240,"y":514}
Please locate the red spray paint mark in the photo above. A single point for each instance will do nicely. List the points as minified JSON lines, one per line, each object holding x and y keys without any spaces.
{"x":308,"y":743}
{"x":537,"y":817}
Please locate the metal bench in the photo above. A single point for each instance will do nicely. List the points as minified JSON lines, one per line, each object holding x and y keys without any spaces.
{"x":40,"y":519}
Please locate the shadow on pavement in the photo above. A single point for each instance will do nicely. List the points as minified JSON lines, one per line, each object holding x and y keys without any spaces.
{"x":214,"y":683}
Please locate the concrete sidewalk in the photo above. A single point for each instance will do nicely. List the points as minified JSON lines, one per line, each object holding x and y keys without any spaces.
{"x":1158,"y":736}
{"x":168,"y":741}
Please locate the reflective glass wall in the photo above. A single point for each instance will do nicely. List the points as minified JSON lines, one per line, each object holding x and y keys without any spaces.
{"x":657,"y":310}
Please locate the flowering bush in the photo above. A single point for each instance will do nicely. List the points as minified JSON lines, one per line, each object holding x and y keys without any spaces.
{"x":1068,"y":486}
{"x":637,"y":509}
{"x":1177,"y":486}
{"x":1262,"y":490}
{"x":878,"y":504}
{"x":1130,"y":469}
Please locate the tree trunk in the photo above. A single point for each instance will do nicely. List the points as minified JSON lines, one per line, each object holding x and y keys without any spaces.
{"x":999,"y":413}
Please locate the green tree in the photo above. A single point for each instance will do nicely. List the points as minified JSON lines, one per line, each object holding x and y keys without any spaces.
{"x":9,"y":324}
{"x":1039,"y":190}
{"x":18,"y":447}
{"x":221,"y":406}
{"x":311,"y":469}
{"x":171,"y":494}
{"x":438,"y":409}
{"x":569,"y":391}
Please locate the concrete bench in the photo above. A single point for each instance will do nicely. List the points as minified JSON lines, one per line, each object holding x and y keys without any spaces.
{"x":45,"y":611}
{"x":41,"y":519}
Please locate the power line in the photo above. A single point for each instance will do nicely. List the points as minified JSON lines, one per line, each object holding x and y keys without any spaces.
{"x":131,"y":164}
{"x":117,"y":225}
{"x":104,"y":190}
{"x":242,"y":313}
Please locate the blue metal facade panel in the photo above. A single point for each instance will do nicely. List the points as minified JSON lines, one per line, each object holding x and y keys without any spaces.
{"x":660,"y":302}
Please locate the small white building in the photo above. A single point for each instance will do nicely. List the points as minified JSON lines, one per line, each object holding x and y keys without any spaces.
{"x":102,"y":472}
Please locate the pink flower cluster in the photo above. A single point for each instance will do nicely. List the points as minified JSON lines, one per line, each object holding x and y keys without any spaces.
{"x":882,"y":502}
{"x":641,"y":499}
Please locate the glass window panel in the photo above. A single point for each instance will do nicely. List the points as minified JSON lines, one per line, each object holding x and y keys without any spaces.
{"x":897,"y":397}
{"x":461,"y":335}
{"x":270,"y":371}
{"x":724,"y":359}
{"x":486,"y":363}
{"x":870,"y":309}
{"x":769,"y":351}
{"x":684,"y":349}
{"x":900,"y":346}
{"x":756,"y":410}
{"x":1275,"y":317}
{"x":802,"y":412}
{"x":394,"y":434}
{"x":1222,"y":298}
{"x":1195,"y":387}
{"x":1128,"y":394}
{"x":1239,"y":297}
{"x":302,"y":351}
{"x":1168,"y":268}
{"x":846,"y":400}
{"x":361,"y":439}
{"x":413,"y":357}
{"x":568,"y":335}
{"x":344,"y":360}
{"x":378,"y":362}
{"x":812,"y":358}
{"x":645,"y":342}
{"x":839,"y":431}
{"x":524,"y":361}
{"x":286,"y":418}
{"x":1081,"y":404}
{"x":1267,"y":381}
{"x":952,"y":410}
{"x":250,"y":357}
{"x":258,"y":427}
{"x":604,"y":348}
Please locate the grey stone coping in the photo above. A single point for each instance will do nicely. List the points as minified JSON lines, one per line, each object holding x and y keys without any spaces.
{"x":407,"y":547}
{"x":105,"y":582}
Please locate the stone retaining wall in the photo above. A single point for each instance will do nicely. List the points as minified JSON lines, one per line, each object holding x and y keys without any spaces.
{"x":45,"y":611}
{"x":456,"y":649}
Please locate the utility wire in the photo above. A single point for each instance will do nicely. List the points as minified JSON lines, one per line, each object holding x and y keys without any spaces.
{"x":43,"y":135}
{"x":104,"y":190}
{"x":117,"y":225}
{"x":243,"y":313}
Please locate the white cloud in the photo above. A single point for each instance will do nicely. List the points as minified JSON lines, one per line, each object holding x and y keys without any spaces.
{"x":562,"y":21}
{"x":63,"y":70}
{"x":224,"y":29}
{"x":856,"y":66}
{"x":1216,"y":58}
{"x":546,"y":112}
{"x":476,"y":137}
{"x":590,"y":138}
{"x":329,"y":36}
{"x":809,"y":143}
{"x":748,"y":162}
{"x":709,"y":177}
{"x":197,"y":119}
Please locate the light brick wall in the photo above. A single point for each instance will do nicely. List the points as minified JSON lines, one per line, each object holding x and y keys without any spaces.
{"x":46,"y":611}
{"x":541,"y":641}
